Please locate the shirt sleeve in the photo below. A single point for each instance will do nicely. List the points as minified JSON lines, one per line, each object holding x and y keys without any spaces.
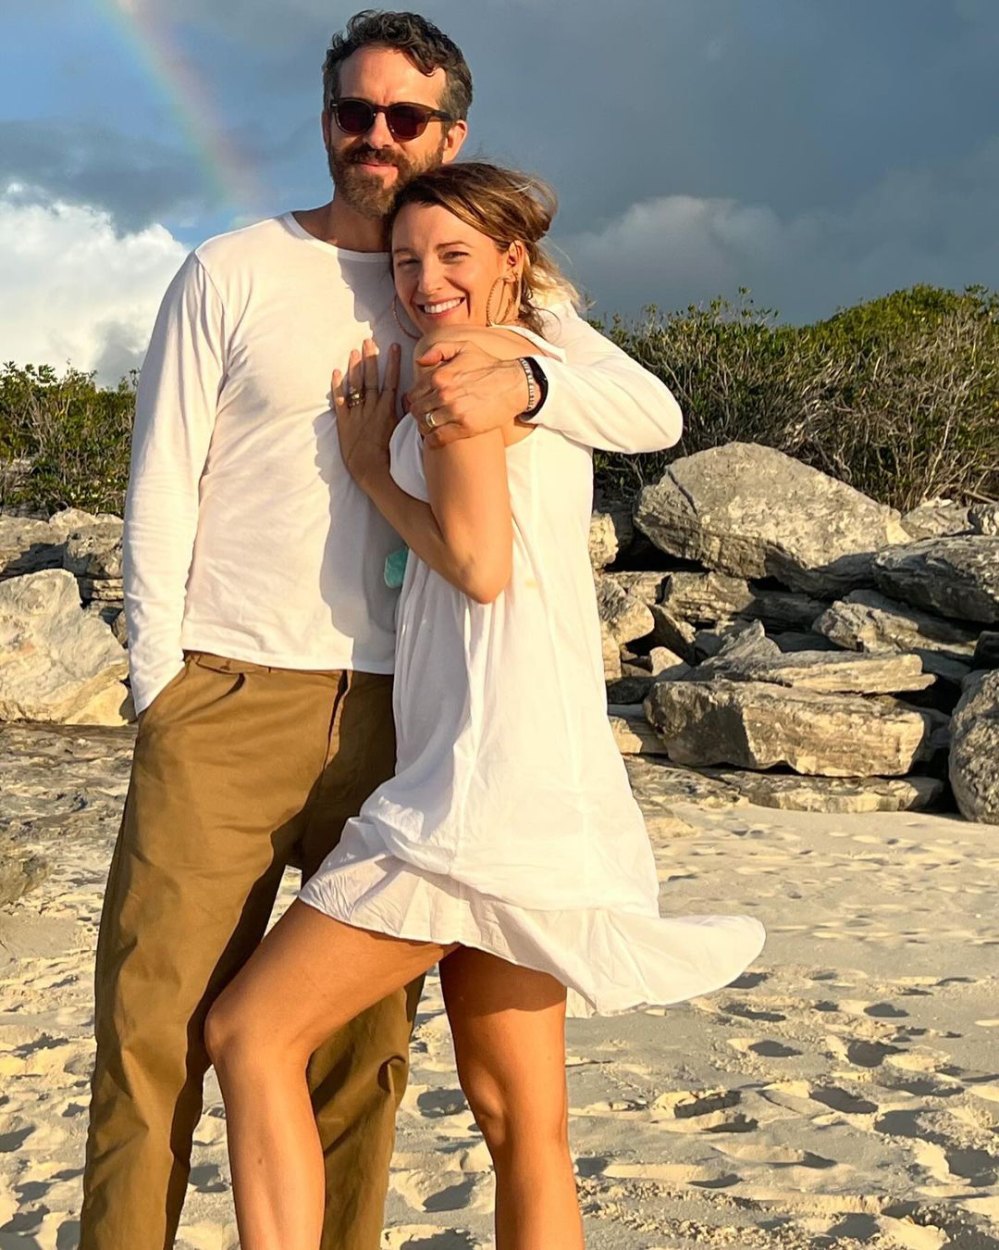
{"x":175,"y":414}
{"x":599,"y":396}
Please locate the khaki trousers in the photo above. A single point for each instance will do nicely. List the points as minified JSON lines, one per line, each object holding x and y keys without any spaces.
{"x":238,"y":769}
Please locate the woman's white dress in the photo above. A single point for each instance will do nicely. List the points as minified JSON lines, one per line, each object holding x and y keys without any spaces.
{"x":510,"y":825}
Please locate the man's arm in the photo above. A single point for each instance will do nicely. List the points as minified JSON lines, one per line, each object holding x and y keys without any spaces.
{"x":605,"y":399}
{"x":599,"y":396}
{"x":174,"y":417}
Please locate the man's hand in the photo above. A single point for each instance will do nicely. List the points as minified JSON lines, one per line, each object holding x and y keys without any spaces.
{"x":467,"y":390}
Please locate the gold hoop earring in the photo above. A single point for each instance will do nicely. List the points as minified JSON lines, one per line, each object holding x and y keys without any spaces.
{"x":398,"y":320}
{"x":490,"y":321}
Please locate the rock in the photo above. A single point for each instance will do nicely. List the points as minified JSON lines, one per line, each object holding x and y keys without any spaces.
{"x":708,"y":642}
{"x":790,"y":640}
{"x":111,"y":707}
{"x":94,"y":551}
{"x":628,"y":688}
{"x":102,"y":589}
{"x":936,"y":518}
{"x":753,"y":512}
{"x":56,"y":658}
{"x":758,"y":725}
{"x":632,"y":732}
{"x":984,"y":519}
{"x":670,"y":632}
{"x":834,"y":794}
{"x":868,"y":621}
{"x":626,"y":617}
{"x":27,"y":545}
{"x":611,"y":653}
{"x":611,"y":531}
{"x":974,"y":751}
{"x":74,"y":520}
{"x":664,"y":662}
{"x":751,"y":656}
{"x":986,"y":652}
{"x":706,"y":598}
{"x":658,"y":783}
{"x":644,"y":586}
{"x":958,"y":577}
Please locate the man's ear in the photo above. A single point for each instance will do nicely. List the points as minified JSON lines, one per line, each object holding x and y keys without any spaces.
{"x":324,"y":121}
{"x":455,"y":137}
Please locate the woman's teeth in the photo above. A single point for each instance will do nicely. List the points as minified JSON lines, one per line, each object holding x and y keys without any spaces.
{"x":433,"y":310}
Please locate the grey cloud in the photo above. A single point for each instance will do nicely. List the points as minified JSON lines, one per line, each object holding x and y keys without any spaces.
{"x":917,"y":225}
{"x":137,"y":180}
{"x":123,"y":347}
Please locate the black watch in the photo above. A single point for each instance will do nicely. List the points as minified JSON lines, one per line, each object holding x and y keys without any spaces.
{"x":541,"y":381}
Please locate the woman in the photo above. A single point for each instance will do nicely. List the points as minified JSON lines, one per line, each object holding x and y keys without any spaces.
{"x":507,"y":847}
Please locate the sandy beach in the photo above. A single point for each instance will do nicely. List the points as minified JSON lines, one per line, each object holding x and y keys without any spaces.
{"x":843,"y":1093}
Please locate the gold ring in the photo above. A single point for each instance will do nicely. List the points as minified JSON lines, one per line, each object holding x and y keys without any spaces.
{"x":430,"y":422}
{"x":354,"y":398}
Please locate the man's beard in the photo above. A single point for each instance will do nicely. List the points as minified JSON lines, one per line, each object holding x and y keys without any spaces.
{"x":366,"y":193}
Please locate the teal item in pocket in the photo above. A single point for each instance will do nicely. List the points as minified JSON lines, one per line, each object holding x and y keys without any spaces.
{"x":395,"y":568}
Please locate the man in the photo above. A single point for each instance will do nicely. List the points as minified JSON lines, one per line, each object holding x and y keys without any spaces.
{"x":261,"y":628}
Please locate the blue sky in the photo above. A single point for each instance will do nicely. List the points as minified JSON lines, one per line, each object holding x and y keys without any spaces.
{"x":815,"y":151}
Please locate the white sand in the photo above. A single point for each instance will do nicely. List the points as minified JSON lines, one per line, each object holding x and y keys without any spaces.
{"x":844,"y":1094}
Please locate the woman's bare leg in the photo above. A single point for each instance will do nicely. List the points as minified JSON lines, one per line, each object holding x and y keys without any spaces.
{"x":509,"y":1037}
{"x":310,"y":975}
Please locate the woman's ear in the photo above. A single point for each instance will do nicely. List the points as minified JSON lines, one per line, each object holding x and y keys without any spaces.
{"x":513,"y":264}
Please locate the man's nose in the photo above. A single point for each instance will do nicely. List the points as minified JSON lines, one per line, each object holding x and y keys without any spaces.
{"x":379,"y":135}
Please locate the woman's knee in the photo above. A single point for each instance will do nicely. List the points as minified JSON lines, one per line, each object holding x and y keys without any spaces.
{"x":231,"y":1036}
{"x":508,"y":1122}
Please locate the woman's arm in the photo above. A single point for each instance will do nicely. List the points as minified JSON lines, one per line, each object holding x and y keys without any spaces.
{"x":466,"y":532}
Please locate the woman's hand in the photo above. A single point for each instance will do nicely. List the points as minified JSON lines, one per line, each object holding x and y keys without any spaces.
{"x":366,"y":413}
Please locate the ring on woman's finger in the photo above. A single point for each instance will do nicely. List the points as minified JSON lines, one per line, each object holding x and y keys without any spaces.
{"x":430,"y":421}
{"x":354,"y":398}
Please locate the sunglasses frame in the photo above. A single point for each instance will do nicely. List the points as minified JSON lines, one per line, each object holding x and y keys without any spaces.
{"x":429,"y":115}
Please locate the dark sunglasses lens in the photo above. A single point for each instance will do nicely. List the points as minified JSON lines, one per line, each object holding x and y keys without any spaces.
{"x":354,"y":117}
{"x":406,"y":122}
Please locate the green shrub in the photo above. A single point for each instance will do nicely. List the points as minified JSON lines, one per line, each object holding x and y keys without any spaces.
{"x":71,"y":437}
{"x":899,"y":397}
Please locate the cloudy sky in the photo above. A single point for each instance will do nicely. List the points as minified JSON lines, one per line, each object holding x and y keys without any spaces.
{"x":816,"y":151}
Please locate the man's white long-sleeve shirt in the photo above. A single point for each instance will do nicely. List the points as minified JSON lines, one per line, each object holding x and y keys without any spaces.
{"x":244,"y":533}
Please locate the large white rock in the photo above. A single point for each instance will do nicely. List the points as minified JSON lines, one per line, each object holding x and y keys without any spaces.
{"x":759,"y":725}
{"x":56,"y":661}
{"x":752,"y":512}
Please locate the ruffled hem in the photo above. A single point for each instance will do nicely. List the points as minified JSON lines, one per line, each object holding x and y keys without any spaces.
{"x":609,"y":961}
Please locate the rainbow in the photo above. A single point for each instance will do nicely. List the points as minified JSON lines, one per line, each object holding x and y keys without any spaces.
{"x":175,"y":81}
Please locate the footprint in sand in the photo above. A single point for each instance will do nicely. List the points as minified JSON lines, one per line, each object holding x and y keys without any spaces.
{"x":701,"y":1111}
{"x":425,"y":1237}
{"x":764,"y":1047}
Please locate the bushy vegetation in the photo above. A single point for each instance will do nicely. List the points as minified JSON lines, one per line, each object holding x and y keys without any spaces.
{"x":64,"y":441}
{"x":899,"y":397}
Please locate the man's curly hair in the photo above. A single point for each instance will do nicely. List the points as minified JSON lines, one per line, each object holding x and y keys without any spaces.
{"x":425,"y":45}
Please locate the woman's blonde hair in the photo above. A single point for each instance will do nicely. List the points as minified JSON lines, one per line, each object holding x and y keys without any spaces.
{"x":508,"y":207}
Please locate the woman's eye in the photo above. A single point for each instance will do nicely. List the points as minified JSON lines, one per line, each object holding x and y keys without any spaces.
{"x":401,"y":264}
{"x":455,"y":255}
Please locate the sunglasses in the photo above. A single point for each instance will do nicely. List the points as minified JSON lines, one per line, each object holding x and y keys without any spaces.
{"x":405,"y":121}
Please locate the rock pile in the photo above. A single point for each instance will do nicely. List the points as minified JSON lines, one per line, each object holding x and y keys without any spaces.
{"x":767,"y":630}
{"x":62,"y":620}
{"x":819,"y":643}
